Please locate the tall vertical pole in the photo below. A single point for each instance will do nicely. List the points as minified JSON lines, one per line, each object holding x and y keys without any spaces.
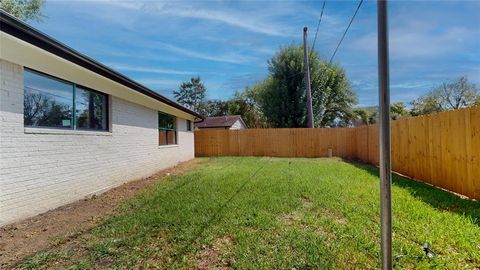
{"x":385,"y":162}
{"x":307,"y":80}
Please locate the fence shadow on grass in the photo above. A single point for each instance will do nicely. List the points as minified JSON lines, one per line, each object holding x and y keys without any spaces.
{"x":436,"y":197}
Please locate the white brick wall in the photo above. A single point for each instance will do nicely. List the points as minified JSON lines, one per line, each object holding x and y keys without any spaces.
{"x":39,"y":172}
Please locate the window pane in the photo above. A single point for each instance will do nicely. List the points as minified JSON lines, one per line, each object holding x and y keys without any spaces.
{"x":162,"y":137}
{"x":90,"y":109}
{"x":189,"y":125}
{"x":166,"y":121}
{"x":47,"y":102}
{"x":171,"y":137}
{"x":167,"y":133}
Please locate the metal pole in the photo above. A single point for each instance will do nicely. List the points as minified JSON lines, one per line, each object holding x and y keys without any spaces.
{"x":385,"y":162}
{"x":307,"y":80}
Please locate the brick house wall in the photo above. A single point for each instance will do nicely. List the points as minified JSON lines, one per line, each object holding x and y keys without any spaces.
{"x":41,"y":169}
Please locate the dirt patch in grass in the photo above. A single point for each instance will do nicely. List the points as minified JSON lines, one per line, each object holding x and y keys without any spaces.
{"x":335,"y":216}
{"x":306,"y":202}
{"x":65,"y":224}
{"x":210,"y":257}
{"x":291,"y":218}
{"x":297,"y":215}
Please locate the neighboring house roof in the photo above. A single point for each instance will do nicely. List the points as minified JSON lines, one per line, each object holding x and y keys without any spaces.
{"x":23,"y":31}
{"x":219,"y":121}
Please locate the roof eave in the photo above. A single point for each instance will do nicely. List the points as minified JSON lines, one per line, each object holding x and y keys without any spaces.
{"x":23,"y":31}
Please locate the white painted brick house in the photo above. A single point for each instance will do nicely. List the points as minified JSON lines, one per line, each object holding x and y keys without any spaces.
{"x":71,"y":127}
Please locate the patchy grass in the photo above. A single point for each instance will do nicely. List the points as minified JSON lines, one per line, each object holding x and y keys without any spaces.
{"x":257,"y":213}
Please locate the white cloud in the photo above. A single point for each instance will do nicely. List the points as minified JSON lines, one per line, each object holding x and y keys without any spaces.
{"x":233,"y":58}
{"x":233,"y":18}
{"x":251,"y":21}
{"x":412,"y":85}
{"x":136,"y":68}
{"x":156,"y":83}
{"x":416,"y":40}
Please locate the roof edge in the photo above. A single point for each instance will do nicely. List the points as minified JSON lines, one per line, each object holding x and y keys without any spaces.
{"x":21,"y":30}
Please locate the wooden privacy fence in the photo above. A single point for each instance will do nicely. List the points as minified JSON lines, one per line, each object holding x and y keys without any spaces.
{"x":281,"y":142}
{"x":442,"y":149}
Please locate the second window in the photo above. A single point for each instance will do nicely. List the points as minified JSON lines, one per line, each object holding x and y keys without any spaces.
{"x":167,"y":131}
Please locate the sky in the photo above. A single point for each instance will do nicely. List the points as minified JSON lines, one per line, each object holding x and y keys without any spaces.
{"x":228,"y":43}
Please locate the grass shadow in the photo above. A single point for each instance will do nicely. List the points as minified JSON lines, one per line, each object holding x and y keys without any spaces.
{"x":435,"y":197}
{"x":212,"y":220}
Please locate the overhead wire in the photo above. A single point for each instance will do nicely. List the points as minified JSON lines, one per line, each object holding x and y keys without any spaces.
{"x":341,"y":39}
{"x":318,"y":27}
{"x":346,"y":30}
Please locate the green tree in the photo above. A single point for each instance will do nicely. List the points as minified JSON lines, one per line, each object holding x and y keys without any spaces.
{"x":398,"y":110}
{"x":448,"y":96}
{"x":191,"y":94}
{"x":213,"y":107}
{"x":25,"y":10}
{"x":360,"y":115}
{"x":244,"y":104}
{"x":332,"y":95}
{"x":369,"y":115}
{"x":281,"y":97}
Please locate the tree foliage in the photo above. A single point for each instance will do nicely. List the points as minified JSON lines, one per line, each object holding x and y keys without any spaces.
{"x":25,"y":10}
{"x":191,"y":94}
{"x":241,"y":104}
{"x":282,"y":99}
{"x":369,"y":115}
{"x":213,"y":107}
{"x":398,"y":110}
{"x":448,"y":96}
{"x":244,"y":104}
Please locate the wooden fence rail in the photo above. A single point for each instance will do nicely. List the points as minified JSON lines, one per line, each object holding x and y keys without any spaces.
{"x":442,"y":149}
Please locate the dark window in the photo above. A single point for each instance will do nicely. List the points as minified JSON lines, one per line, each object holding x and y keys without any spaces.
{"x":90,"y":109}
{"x":51,"y":102}
{"x":167,"y":131}
{"x":189,"y":125}
{"x":48,"y":102}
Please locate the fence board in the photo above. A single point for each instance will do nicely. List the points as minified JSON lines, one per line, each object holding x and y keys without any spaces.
{"x":474,"y":164}
{"x":442,"y":149}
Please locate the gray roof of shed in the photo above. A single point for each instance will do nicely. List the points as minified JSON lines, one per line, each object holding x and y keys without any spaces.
{"x":219,"y":121}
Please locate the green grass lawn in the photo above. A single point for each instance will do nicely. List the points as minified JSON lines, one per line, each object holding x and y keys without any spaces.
{"x":271,"y":213}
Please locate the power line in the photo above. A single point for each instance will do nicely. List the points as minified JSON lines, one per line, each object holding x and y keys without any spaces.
{"x":316,"y":33}
{"x":314,"y":40}
{"x":346,"y":30}
{"x":318,"y":26}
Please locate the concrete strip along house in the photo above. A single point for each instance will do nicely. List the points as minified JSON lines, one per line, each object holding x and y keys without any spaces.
{"x":71,"y":127}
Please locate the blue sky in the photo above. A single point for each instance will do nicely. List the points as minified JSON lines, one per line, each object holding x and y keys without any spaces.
{"x":228,"y":43}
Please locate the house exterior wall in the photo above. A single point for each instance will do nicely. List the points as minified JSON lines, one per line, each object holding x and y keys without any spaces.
{"x":237,"y":125}
{"x":41,"y":169}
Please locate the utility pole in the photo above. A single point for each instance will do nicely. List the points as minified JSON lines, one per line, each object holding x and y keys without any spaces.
{"x":385,"y":161}
{"x":307,"y":80}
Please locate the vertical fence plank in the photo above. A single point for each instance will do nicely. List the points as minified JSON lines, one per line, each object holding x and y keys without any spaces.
{"x":475,"y":150}
{"x":469,"y":181}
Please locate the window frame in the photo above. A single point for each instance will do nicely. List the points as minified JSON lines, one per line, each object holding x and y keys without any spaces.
{"x":174,"y":129}
{"x":189,"y":125}
{"x":73,"y":126}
